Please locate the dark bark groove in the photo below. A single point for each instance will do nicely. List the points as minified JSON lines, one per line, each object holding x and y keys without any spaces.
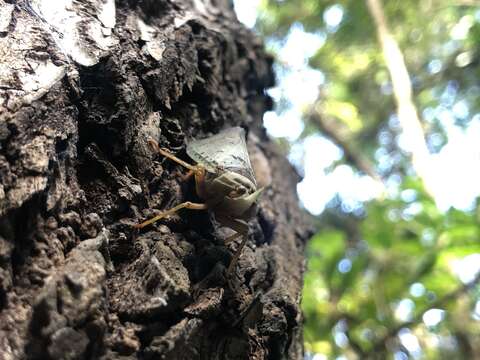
{"x":76,"y":280}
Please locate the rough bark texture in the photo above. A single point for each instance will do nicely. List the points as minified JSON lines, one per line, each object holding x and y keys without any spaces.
{"x":82,"y":86}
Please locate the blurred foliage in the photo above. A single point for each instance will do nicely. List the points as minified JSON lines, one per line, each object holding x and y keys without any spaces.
{"x":399,"y":252}
{"x":377,"y":277}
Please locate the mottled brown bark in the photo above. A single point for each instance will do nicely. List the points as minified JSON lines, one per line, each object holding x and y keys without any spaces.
{"x":76,"y":280}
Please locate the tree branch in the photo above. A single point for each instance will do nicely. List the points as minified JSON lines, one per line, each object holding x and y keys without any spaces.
{"x":402,"y":89}
{"x":352,"y":156}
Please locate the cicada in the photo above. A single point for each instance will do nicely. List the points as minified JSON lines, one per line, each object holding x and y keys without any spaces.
{"x":224,"y":180}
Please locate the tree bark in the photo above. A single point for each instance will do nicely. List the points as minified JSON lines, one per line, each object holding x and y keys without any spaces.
{"x":83,"y":85}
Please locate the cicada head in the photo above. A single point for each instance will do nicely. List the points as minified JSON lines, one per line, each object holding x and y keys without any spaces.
{"x":233,"y":194}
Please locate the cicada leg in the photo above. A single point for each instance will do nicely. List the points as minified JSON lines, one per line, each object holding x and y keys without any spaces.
{"x":236,"y":256}
{"x":229,"y":239}
{"x":241,"y":228}
{"x":170,"y":156}
{"x":197,"y":170}
{"x":185,"y":205}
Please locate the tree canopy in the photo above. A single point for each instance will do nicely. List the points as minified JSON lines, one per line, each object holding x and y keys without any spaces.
{"x":392,"y":273}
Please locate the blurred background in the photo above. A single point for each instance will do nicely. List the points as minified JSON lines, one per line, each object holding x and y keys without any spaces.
{"x":378,"y":108}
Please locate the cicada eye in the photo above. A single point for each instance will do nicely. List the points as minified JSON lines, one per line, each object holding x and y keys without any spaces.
{"x":239,"y":191}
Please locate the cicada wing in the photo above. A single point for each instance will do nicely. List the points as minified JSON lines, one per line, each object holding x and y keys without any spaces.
{"x":227,"y":150}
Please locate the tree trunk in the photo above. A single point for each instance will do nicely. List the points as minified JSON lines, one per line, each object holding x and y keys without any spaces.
{"x":83,"y":85}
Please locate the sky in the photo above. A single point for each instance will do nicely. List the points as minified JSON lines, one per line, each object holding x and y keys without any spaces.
{"x":456,"y":165}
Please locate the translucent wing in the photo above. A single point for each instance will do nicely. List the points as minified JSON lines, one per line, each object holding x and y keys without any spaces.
{"x":225,"y":151}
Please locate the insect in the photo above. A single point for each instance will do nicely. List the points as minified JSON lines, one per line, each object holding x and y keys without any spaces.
{"x":224,"y":179}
